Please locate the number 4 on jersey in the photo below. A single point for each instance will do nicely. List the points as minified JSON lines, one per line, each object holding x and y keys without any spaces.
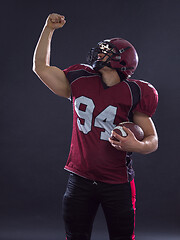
{"x":104,"y":120}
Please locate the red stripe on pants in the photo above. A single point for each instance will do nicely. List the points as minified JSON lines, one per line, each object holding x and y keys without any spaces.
{"x":133,"y":193}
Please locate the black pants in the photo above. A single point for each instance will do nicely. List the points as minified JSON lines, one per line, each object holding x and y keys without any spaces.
{"x":80,"y":205}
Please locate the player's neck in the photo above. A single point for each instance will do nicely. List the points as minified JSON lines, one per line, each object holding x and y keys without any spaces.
{"x":110,"y":76}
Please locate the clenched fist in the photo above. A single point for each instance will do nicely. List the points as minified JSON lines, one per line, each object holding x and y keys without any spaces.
{"x":55,"y":21}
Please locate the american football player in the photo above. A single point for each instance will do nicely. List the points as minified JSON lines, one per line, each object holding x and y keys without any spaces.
{"x":103,"y":95}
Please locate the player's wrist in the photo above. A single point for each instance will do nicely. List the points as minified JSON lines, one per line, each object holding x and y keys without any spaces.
{"x":49,"y":28}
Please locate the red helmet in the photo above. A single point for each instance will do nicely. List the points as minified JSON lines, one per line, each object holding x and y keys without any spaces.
{"x":121,"y":56}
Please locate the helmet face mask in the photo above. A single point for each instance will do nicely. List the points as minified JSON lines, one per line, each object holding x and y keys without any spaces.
{"x":97,"y":62}
{"x":121,"y":55}
{"x":106,"y":48}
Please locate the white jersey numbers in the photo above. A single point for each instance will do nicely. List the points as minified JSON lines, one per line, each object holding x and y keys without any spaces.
{"x":85,"y":114}
{"x":105,"y":120}
{"x":84,"y":108}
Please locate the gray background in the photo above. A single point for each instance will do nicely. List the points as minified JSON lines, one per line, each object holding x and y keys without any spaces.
{"x":36,"y":124}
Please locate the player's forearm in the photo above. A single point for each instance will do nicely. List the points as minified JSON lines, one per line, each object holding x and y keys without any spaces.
{"x":148,"y":145}
{"x":43,"y":48}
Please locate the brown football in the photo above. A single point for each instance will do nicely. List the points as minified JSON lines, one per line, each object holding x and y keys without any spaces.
{"x":137,"y":130}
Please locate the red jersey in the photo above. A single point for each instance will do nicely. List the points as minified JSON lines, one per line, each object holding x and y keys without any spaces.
{"x":97,"y":109}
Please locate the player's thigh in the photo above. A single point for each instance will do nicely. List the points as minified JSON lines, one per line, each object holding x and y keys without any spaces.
{"x":119,"y":212}
{"x":79,"y":208}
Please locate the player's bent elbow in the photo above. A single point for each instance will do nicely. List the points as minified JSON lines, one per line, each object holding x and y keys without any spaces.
{"x":155,"y":143}
{"x":151,"y":146}
{"x":155,"y":147}
{"x":37,"y":69}
{"x":54,"y":79}
{"x":34,"y":68}
{"x":65,"y":94}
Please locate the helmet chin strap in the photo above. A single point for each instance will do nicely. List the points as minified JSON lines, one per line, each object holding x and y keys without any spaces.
{"x":97,"y":65}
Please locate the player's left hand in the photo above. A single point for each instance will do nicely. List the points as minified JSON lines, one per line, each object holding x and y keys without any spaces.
{"x":128,"y":144}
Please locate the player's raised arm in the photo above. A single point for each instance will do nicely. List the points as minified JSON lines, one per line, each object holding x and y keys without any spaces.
{"x":53,"y":77}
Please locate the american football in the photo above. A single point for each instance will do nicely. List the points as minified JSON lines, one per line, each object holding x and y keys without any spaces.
{"x":137,"y":130}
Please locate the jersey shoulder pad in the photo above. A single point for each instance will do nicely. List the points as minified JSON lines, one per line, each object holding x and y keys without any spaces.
{"x":148,"y":99}
{"x":77,"y":67}
{"x":77,"y":71}
{"x":146,"y":86}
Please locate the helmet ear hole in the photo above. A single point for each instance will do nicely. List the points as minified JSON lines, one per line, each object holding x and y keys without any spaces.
{"x":123,"y":63}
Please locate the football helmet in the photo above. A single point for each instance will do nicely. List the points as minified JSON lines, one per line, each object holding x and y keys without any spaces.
{"x":121,"y":55}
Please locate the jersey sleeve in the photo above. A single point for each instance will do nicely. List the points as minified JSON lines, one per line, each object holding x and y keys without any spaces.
{"x":70,"y":72}
{"x":149,"y":99}
{"x":76,"y":73}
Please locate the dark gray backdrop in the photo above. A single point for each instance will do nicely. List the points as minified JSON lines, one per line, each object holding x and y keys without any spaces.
{"x":36,"y":124}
